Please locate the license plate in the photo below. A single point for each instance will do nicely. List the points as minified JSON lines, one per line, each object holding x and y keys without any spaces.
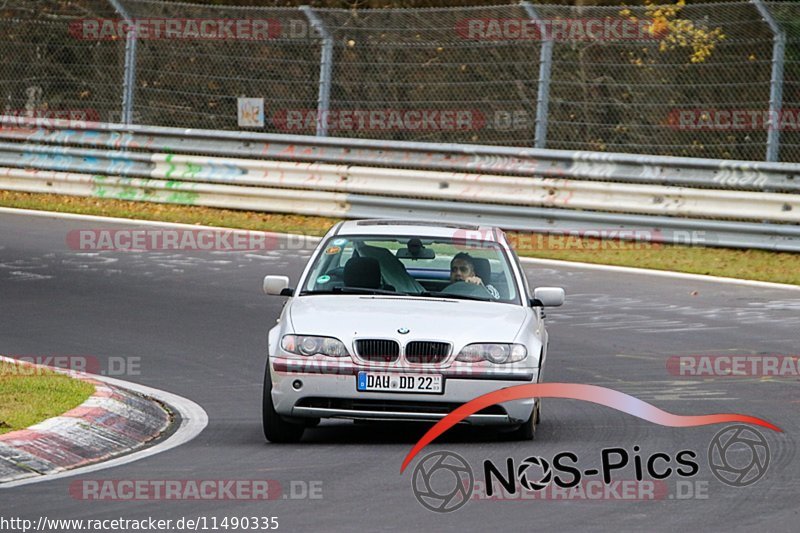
{"x":391,"y":382}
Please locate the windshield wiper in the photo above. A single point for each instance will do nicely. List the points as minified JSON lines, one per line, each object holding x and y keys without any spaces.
{"x":366,"y":290}
{"x":353,"y":290}
{"x":440,"y":294}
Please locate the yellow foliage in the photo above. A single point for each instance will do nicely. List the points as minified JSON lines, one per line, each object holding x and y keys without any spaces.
{"x":675,"y":32}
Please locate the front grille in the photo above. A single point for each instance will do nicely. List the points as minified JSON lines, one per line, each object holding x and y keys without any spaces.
{"x":427,"y":352}
{"x":378,"y":350}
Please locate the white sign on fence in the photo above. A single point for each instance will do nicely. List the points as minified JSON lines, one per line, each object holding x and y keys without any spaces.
{"x":250,"y":112}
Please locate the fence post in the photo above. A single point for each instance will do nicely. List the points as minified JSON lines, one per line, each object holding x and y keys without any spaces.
{"x":129,"y":77}
{"x":545,"y":67}
{"x":325,"y":68}
{"x":775,"y":82}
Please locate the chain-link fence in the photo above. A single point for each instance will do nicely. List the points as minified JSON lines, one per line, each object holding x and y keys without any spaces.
{"x":718,"y":80}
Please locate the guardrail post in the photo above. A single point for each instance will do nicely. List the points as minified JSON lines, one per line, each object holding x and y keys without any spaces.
{"x":775,"y":82}
{"x":325,"y":68}
{"x":129,"y":77}
{"x":545,"y":68}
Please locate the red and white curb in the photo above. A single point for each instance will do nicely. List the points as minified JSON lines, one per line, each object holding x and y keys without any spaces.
{"x":119,"y":418}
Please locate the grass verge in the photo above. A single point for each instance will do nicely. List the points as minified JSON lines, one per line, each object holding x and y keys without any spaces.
{"x":29,"y":395}
{"x":779,"y":267}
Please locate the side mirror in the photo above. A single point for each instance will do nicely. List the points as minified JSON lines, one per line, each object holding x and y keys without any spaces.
{"x":277,"y":286}
{"x":548,"y":297}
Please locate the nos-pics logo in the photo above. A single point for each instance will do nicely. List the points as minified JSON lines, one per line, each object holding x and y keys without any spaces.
{"x":443,"y":481}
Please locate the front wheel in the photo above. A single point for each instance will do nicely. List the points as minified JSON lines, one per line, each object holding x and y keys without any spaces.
{"x":276,"y":429}
{"x":526,"y":431}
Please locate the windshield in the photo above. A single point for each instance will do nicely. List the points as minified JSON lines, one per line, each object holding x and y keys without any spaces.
{"x":423,"y":267}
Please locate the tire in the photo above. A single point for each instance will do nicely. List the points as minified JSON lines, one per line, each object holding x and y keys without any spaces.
{"x":276,"y":428}
{"x":527,"y":430}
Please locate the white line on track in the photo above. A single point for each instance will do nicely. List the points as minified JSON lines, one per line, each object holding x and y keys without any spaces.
{"x":661,"y":273}
{"x":551,"y":262}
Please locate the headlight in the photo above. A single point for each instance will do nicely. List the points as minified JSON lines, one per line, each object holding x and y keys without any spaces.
{"x":309,"y":345}
{"x":494,"y":353}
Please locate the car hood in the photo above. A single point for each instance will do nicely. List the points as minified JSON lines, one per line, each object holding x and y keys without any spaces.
{"x":456,"y":321}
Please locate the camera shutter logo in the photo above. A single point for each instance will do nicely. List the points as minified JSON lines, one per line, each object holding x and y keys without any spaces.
{"x":443,"y":482}
{"x":738,"y":456}
{"x":527,"y":481}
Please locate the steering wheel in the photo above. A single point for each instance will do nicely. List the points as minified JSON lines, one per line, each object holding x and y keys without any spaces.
{"x":467,"y":289}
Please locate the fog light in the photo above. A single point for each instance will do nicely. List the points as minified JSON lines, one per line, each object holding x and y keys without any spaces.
{"x":297,"y":384}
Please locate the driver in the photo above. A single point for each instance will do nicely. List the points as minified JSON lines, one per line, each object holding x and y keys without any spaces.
{"x":462,"y":268}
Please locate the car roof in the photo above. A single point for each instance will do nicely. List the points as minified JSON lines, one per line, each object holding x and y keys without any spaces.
{"x":417,"y":228}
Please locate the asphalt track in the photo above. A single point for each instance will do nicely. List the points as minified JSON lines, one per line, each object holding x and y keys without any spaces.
{"x":198,"y":322}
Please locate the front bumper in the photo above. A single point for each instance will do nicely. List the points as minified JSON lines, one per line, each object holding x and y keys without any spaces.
{"x":328,"y":390}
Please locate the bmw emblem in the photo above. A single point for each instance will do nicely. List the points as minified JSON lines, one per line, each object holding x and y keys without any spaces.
{"x":403,"y":331}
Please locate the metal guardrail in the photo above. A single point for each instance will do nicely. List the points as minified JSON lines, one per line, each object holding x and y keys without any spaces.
{"x":709,"y":202}
{"x":510,"y":190}
{"x":663,"y":170}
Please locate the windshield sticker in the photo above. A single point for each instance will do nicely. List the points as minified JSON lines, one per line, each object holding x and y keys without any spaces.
{"x":333,"y":250}
{"x":339,"y":242}
{"x":323,"y":279}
